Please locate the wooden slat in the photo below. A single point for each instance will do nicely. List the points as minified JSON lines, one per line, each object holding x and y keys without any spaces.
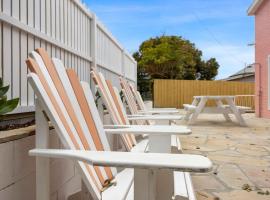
{"x":43,"y":16}
{"x":7,"y":62}
{"x":15,"y":63}
{"x":37,"y":14}
{"x":48,"y":17}
{"x":23,"y":84}
{"x":30,"y":47}
{"x":53,"y":15}
{"x":7,"y":7}
{"x":23,"y":11}
{"x":15,"y":9}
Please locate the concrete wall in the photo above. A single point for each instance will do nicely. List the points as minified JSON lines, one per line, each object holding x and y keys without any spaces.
{"x":17,"y":172}
{"x":262,"y":28}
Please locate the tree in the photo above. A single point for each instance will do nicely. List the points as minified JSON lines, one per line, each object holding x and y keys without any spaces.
{"x":209,"y":69}
{"x":171,"y":57}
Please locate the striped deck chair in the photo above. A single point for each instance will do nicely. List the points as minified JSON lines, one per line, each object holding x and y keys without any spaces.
{"x":136,"y":117}
{"x":111,"y":99}
{"x":143,"y":109}
{"x":135,"y":103}
{"x":61,"y":98}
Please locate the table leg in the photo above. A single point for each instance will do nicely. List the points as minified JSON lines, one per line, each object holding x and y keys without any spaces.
{"x":224,"y":111}
{"x":236,"y":112}
{"x":198,"y":110}
{"x":189,"y":113}
{"x":194,"y":102}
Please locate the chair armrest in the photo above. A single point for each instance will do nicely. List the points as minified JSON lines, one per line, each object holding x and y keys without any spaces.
{"x":158,"y":111}
{"x":163,"y":109}
{"x":154,"y":117}
{"x":176,"y":162}
{"x":150,"y":130}
{"x":115,"y":126}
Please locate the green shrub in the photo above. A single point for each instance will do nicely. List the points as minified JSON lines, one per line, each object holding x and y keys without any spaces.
{"x":6,"y":106}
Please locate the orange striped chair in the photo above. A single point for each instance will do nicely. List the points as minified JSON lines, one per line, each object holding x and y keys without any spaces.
{"x":136,"y":105}
{"x":70,"y":107}
{"x":141,"y":106}
{"x":111,"y":99}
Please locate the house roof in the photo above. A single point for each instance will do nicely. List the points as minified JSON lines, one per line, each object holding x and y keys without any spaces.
{"x":246,"y":72}
{"x":254,"y":7}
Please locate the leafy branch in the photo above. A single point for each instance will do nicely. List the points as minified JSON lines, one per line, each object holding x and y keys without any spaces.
{"x":6,"y":106}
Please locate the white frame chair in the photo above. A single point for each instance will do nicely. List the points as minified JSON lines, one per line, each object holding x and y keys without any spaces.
{"x":135,"y":102}
{"x":59,"y":93}
{"x":143,"y":109}
{"x":137,"y":118}
{"x":112,"y":100}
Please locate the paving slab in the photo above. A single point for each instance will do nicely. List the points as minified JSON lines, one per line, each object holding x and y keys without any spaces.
{"x":241,"y":158}
{"x":241,"y":195}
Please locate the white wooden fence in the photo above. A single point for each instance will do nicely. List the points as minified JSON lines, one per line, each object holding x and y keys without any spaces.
{"x":67,"y":30}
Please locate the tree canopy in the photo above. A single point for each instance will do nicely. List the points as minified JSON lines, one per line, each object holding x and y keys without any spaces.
{"x":172,"y":57}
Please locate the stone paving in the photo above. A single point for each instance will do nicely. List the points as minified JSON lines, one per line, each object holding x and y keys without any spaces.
{"x":241,"y":157}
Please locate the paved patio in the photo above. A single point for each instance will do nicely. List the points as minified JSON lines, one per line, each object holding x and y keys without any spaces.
{"x":241,"y":157}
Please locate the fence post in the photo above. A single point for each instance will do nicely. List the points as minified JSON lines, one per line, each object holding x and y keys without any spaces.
{"x":123,"y":63}
{"x":93,"y":41}
{"x":93,"y":47}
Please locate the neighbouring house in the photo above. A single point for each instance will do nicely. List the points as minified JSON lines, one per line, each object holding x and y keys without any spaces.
{"x":245,"y":75}
{"x":261,"y":10}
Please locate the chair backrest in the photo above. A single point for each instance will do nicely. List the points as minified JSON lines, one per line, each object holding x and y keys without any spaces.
{"x":116,"y":112}
{"x":138,"y":97}
{"x":73,"y":114}
{"x":132,"y":105}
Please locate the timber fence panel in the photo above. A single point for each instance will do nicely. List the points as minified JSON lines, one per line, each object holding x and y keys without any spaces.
{"x":175,"y":93}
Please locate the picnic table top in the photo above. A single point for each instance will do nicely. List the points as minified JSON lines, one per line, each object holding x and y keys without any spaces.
{"x":215,"y":97}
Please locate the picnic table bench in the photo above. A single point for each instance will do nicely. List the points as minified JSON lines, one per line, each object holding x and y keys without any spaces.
{"x":199,"y":106}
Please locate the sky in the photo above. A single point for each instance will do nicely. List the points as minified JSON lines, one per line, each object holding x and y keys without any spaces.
{"x":219,"y":28}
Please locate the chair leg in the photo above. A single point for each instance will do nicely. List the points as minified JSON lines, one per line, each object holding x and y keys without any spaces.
{"x":42,"y":164}
{"x":144,"y":184}
{"x":153,"y":184}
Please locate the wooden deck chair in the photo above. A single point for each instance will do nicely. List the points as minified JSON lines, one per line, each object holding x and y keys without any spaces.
{"x":110,"y":97}
{"x":143,"y":109}
{"x":134,"y":103}
{"x":186,"y":191}
{"x":135,"y":116}
{"x":61,"y":99}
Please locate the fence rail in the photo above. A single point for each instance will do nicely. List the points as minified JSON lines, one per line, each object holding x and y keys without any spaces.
{"x":67,"y":30}
{"x":175,"y":93}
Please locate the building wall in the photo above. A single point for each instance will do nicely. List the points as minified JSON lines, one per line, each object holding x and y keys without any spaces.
{"x":250,"y":79}
{"x":262,"y":49}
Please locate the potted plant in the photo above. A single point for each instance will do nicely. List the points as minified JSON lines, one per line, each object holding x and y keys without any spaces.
{"x":6,"y":105}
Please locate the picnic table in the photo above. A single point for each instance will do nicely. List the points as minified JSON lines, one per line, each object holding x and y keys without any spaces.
{"x":199,"y":106}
